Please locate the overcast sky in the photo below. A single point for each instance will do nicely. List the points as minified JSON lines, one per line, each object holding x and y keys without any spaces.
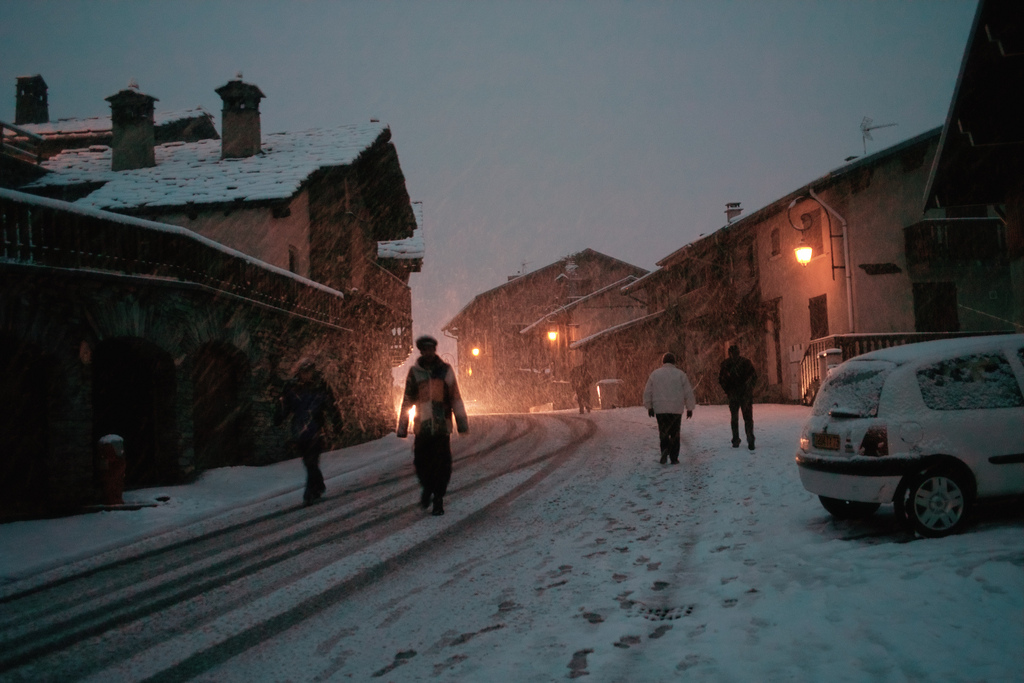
{"x":531,"y":130}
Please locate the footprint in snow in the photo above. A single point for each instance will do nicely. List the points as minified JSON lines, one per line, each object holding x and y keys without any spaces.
{"x":578,"y":664}
{"x":660,"y":631}
{"x":626,"y":641}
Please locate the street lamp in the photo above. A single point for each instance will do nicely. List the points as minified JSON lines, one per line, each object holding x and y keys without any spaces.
{"x":803,"y":251}
{"x":552,"y":335}
{"x":475,"y":351}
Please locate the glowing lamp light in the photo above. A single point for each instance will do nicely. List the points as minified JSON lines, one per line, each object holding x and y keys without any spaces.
{"x":553,"y":335}
{"x":475,"y":352}
{"x":803,"y":253}
{"x":469,"y":372}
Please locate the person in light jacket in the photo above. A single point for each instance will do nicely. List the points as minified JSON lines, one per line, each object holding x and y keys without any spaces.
{"x":667,"y":395}
{"x":431,"y":387}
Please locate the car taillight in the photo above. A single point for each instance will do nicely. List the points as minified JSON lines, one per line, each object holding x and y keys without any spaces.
{"x":875,"y":442}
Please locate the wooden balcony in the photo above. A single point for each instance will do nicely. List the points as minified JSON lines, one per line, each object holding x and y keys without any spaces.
{"x":47,"y":233}
{"x":956,"y":242}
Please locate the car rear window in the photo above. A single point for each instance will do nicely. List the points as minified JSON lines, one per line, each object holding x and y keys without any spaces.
{"x":973,"y":382}
{"x":853,"y":389}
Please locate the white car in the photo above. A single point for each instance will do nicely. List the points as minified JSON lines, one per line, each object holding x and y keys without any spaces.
{"x":929,"y":427}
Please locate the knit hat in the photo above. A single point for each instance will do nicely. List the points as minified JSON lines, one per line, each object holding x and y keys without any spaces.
{"x":424,"y":341}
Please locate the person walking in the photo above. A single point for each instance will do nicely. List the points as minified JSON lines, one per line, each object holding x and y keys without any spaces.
{"x":431,"y":387}
{"x":582,"y":381}
{"x":737,"y":377}
{"x":668,"y":393}
{"x":310,"y":404}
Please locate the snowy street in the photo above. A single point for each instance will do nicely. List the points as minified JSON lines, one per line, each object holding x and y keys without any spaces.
{"x":566,"y":551}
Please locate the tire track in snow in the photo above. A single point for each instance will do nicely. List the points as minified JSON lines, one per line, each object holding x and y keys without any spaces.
{"x":155,"y":597}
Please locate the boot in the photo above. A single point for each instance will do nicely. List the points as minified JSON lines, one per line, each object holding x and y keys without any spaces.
{"x":438,"y":506}
{"x":425,"y":499}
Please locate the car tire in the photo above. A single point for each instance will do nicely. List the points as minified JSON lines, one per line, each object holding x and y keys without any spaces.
{"x":848,"y":509}
{"x":937,"y":502}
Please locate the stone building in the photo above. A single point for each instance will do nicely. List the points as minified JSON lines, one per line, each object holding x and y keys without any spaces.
{"x":166,"y":291}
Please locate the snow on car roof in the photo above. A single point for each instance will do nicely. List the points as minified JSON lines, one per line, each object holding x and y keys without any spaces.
{"x":942,"y":348}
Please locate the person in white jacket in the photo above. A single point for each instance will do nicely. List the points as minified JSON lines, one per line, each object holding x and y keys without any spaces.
{"x":668,"y":393}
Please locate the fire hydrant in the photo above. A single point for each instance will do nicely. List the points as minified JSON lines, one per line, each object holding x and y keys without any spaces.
{"x":111,"y":469}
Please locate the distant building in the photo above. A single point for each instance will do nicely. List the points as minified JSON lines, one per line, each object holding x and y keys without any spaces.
{"x":514,"y":341}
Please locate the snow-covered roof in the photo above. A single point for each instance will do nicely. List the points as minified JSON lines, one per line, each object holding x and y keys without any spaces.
{"x":409,"y":248}
{"x":629,"y":286}
{"x":96,"y":125}
{"x":616,"y":328}
{"x":619,"y":283}
{"x":194,"y":172}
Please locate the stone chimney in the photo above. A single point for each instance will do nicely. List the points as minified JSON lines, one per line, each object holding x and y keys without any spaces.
{"x":31,"y":105}
{"x":131,"y":116}
{"x":240,"y":119}
{"x":732,"y":210}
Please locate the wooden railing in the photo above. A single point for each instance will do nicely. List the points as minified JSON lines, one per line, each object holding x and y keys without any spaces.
{"x":22,"y":144}
{"x":856,"y":344}
{"x":44,"y":232}
{"x":392,"y":292}
{"x":956,"y":241}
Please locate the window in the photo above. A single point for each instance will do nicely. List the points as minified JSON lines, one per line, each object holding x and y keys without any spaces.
{"x":293,"y":259}
{"x":819,"y":316}
{"x":776,"y":242}
{"x":855,"y":389}
{"x":970,"y":383}
{"x":935,"y":307}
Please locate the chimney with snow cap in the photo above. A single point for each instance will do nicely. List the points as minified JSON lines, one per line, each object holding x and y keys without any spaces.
{"x":131,"y":118}
{"x":732,"y":210}
{"x":31,"y":105}
{"x":240,"y":119}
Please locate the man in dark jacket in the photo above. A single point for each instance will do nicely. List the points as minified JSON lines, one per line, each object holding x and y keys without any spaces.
{"x":432,"y":389}
{"x":582,"y":381}
{"x":737,"y":377}
{"x":311,"y":405}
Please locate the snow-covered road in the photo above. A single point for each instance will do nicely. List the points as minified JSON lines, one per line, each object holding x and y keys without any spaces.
{"x":567,"y":550}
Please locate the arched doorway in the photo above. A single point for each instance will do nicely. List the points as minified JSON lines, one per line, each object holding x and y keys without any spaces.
{"x":25,"y":385}
{"x":221,"y":407}
{"x":134,"y":394}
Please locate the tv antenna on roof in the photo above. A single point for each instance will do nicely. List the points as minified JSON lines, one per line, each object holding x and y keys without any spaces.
{"x":866,"y":128}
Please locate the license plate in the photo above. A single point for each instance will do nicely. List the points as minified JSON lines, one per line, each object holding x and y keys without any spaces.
{"x":828,"y":442}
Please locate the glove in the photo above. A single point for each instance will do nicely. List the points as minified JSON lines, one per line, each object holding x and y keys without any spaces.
{"x":689,"y":414}
{"x":650,"y":412}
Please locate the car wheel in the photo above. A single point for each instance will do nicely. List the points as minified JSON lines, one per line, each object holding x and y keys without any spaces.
{"x":848,"y":509}
{"x":937,"y":503}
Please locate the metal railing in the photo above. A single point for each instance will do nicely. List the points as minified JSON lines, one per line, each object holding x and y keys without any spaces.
{"x":43,"y":232}
{"x":853,"y":345}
